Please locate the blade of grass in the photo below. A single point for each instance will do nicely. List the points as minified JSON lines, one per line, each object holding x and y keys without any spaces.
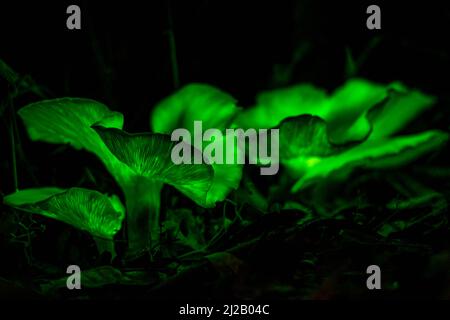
{"x":172,"y":48}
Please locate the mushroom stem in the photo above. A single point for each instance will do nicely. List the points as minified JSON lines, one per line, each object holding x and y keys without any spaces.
{"x":143,"y":205}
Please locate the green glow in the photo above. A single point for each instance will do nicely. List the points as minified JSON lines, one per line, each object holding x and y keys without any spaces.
{"x":83,"y":209}
{"x":304,"y":143}
{"x":311,"y":162}
{"x":321,"y":136}
{"x":347,"y":112}
{"x":305,"y":136}
{"x":227,"y":177}
{"x":216,"y":109}
{"x":27,"y":196}
{"x":306,"y":152}
{"x":379,"y":154}
{"x":330,"y":135}
{"x":402,"y":107}
{"x":274,"y":106}
{"x":194,"y":102}
{"x":140,"y":163}
{"x":69,"y":120}
{"x":148,"y":156}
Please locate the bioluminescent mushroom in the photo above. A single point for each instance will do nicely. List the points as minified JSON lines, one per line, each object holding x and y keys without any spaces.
{"x":347,"y":111}
{"x":84,"y":209}
{"x":140,"y":164}
{"x":308,"y":155}
{"x":215,"y":109}
{"x":69,"y":121}
{"x":194,"y":102}
{"x":148,"y":157}
{"x":303,"y":142}
{"x":323,"y":136}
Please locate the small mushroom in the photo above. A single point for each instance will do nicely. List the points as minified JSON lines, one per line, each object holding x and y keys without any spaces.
{"x":88,"y":210}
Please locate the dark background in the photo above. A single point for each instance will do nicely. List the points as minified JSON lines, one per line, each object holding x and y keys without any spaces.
{"x":121,"y":57}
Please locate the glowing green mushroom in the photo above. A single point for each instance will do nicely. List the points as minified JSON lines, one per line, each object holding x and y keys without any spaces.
{"x":194,"y":102}
{"x":347,"y":111}
{"x":69,"y":121}
{"x":307,"y":154}
{"x":148,"y":157}
{"x":304,"y":142}
{"x":324,"y":136}
{"x":215,"y":109}
{"x":140,"y":164}
{"x":83,"y":209}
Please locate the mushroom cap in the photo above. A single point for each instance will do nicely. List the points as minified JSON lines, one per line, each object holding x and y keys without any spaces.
{"x":69,"y":120}
{"x":305,"y":150}
{"x":353,"y":112}
{"x":149,"y":155}
{"x":85,"y":209}
{"x":194,"y":102}
{"x":216,"y":110}
{"x":374,"y":154}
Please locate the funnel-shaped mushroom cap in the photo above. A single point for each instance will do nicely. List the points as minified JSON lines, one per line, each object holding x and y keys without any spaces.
{"x":69,"y":120}
{"x":84,"y":209}
{"x":347,"y":111}
{"x":216,"y":110}
{"x":149,"y":155}
{"x":306,"y":152}
{"x":194,"y":102}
